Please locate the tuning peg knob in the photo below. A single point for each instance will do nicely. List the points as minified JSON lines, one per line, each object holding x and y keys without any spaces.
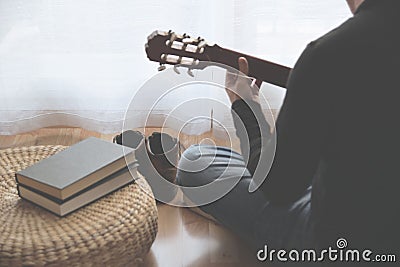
{"x":176,"y":70}
{"x":190,"y":72}
{"x":161,"y":67}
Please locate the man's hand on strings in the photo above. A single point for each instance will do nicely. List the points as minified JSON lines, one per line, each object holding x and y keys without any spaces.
{"x":239,"y":86}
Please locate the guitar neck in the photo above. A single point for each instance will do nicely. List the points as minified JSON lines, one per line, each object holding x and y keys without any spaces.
{"x":258,"y":68}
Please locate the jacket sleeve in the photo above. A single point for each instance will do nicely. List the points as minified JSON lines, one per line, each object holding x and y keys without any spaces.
{"x":300,"y":130}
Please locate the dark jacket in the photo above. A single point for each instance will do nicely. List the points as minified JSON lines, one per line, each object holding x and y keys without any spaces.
{"x":338,"y":130}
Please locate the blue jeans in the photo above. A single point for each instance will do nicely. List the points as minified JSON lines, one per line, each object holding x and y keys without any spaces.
{"x":250,"y":215}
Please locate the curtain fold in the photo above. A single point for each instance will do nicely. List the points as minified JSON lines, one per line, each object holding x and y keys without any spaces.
{"x":80,"y":63}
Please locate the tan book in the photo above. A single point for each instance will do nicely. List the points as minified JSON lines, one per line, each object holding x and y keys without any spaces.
{"x":76,"y":168}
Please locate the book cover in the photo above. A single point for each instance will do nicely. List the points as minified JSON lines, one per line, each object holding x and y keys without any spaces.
{"x":83,"y":198}
{"x":75,"y":168}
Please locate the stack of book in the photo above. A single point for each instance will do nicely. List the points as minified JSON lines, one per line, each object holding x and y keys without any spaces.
{"x":77,"y":175}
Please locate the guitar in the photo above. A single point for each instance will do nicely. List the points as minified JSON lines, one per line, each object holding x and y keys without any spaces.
{"x":175,"y":49}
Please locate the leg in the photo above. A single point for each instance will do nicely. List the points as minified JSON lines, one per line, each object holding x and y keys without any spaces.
{"x":249,"y":215}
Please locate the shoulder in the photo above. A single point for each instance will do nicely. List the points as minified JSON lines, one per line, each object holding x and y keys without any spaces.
{"x":334,"y":45}
{"x":349,"y":38}
{"x":327,"y":56}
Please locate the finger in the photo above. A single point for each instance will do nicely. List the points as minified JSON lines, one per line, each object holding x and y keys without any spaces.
{"x":243,"y":65}
{"x":230,"y":78}
{"x":231,"y":75}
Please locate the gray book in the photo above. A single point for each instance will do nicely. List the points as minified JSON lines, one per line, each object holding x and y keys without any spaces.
{"x":83,"y":198}
{"x":76,"y":168}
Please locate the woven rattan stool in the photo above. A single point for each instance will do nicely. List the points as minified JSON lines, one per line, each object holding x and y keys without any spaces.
{"x":117,"y":230}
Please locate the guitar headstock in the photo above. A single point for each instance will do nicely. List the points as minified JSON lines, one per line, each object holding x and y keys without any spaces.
{"x":175,"y":49}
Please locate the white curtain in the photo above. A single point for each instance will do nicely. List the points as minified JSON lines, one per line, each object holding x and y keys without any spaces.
{"x":79,"y":63}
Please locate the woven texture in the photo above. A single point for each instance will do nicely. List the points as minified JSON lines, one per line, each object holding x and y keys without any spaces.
{"x":117,"y":230}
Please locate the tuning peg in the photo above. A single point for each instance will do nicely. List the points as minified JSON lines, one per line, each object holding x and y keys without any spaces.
{"x":161,"y":67}
{"x":187,"y":41}
{"x":176,"y":70}
{"x":202,"y":44}
{"x":190,"y":73}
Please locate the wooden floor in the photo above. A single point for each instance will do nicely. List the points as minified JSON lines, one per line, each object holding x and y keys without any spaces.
{"x":184,"y":238}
